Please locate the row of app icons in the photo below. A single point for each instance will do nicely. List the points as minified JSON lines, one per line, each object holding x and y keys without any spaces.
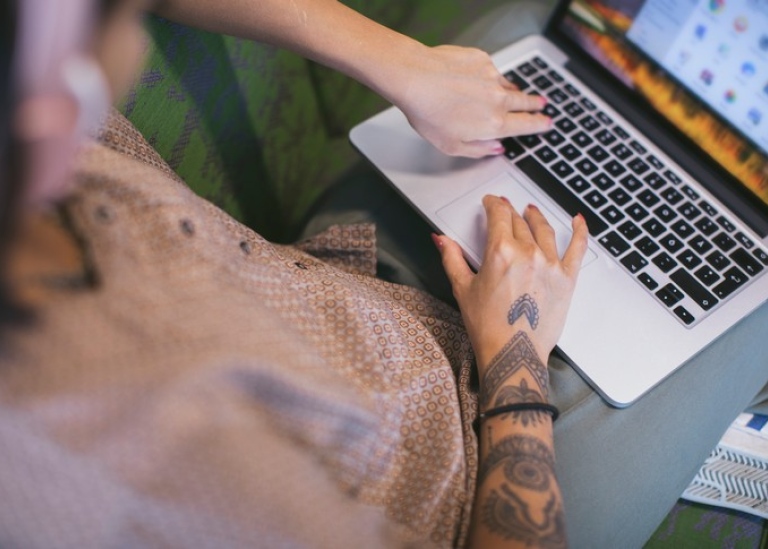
{"x":730,"y":96}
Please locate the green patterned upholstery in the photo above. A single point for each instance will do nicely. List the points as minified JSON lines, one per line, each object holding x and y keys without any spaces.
{"x":262,"y":133}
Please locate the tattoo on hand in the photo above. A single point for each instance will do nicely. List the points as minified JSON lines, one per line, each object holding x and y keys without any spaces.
{"x":527,"y":464}
{"x":519,"y":354}
{"x":524,"y":306}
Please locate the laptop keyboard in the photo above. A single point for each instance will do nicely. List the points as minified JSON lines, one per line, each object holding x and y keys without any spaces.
{"x":678,"y":245}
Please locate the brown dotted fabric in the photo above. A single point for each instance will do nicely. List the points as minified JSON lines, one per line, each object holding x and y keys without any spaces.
{"x":216,"y":390}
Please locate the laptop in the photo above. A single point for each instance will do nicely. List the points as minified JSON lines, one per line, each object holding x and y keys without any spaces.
{"x":660,"y":140}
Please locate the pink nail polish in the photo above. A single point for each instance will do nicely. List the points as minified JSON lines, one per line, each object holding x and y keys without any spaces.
{"x":505,"y":199}
{"x":437,"y":241}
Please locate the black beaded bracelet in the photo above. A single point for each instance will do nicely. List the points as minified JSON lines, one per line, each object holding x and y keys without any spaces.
{"x":522,"y":407}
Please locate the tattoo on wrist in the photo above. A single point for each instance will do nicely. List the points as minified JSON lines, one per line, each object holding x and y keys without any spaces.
{"x":517,"y":356}
{"x":526,"y":307}
{"x":527,"y":464}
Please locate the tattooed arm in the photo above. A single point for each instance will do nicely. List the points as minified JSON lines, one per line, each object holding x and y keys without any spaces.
{"x":514,"y":309}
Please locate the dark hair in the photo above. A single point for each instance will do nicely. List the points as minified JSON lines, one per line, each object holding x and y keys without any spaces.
{"x":10,"y":162}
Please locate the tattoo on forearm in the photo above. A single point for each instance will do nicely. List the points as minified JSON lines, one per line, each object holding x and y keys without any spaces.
{"x":526,"y":307}
{"x":519,"y":354}
{"x":527,"y":464}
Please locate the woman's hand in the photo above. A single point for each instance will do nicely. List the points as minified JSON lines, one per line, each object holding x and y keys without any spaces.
{"x":456,"y":99}
{"x":522,"y":284}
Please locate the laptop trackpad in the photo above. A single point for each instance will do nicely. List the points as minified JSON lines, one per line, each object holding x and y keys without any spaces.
{"x":466,"y":218}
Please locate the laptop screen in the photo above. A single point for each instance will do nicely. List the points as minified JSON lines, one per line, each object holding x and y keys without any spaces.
{"x":701,"y":64}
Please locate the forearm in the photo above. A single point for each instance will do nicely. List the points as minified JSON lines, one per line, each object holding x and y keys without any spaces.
{"x":326,"y":31}
{"x":518,"y":500}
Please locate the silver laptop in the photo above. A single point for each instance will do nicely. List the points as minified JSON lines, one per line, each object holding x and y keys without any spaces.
{"x":660,"y":140}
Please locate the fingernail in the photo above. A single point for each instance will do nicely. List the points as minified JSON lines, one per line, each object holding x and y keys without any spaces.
{"x":533,"y":207}
{"x":543,"y":101}
{"x":498,"y":149}
{"x":505,"y":199}
{"x":437,"y":241}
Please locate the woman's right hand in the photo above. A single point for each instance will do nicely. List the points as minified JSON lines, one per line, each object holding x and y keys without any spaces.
{"x":522,"y":285}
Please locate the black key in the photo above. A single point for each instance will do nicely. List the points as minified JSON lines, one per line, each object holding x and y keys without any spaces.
{"x":595,"y":199}
{"x":517,"y":80}
{"x":598,"y":153}
{"x":529,"y":141}
{"x":707,"y":275}
{"x":550,"y":110}
{"x":631,"y":183}
{"x":570,"y":202}
{"x":718,"y":260}
{"x":637,"y":212}
{"x":602,"y":181}
{"x":604,"y":118}
{"x":570,"y":152}
{"x":689,"y":259}
{"x":512,"y":148}
{"x":693,"y":289}
{"x":761,"y":255}
{"x":571,"y":90}
{"x":634,"y":262}
{"x":744,"y":259}
{"x":671,"y":242}
{"x":614,"y":168}
{"x":689,"y":211}
{"x":690,"y":193}
{"x":724,"y":242}
{"x":708,"y":208}
{"x":637,"y":147}
{"x":526,"y":69}
{"x":589,"y":123}
{"x":654,"y":181}
{"x":612,"y":214}
{"x":673,"y":177}
{"x":618,"y":130}
{"x":586,"y":166}
{"x":648,"y":281}
{"x":574,"y":109}
{"x":648,"y":198}
{"x":565,"y":125}
{"x":561,"y":169}
{"x":672,"y":196}
{"x":621,"y":151}
{"x":665,"y":213}
{"x":588,"y":104}
{"x":734,"y":279}
{"x":619,"y":196}
{"x":578,"y":184}
{"x":683,"y":314}
{"x":664,"y":262}
{"x":647,"y":246}
{"x":542,"y":82}
{"x":555,"y":76}
{"x":638,"y":166}
{"x":614,"y":243}
{"x":539,"y":62}
{"x":700,"y":244}
{"x":654,"y":227}
{"x":669,"y":295}
{"x":605,"y":137}
{"x":546,"y":154}
{"x":744,"y":240}
{"x":557,"y":96}
{"x":554,"y":138}
{"x":581,"y":139}
{"x":706,"y":226}
{"x":629,"y":230}
{"x":655,"y":162}
{"x":725,"y":224}
{"x":682,"y":229}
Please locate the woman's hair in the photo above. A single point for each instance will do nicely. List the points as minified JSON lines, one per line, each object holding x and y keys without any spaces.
{"x":10,"y":163}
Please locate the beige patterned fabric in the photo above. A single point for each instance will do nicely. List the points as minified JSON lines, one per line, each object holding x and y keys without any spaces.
{"x":210,"y":389}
